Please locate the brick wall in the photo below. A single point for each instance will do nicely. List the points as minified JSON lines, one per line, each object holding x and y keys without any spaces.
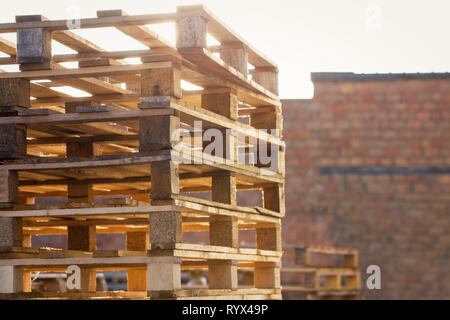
{"x":368,"y":167}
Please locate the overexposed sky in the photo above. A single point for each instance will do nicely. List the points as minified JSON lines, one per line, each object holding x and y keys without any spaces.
{"x":301,"y":36}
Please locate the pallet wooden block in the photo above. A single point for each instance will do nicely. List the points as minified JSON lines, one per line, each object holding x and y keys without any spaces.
{"x":141,"y":146}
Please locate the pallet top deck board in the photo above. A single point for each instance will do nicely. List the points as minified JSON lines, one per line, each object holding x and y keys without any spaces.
{"x":57,"y":74}
{"x":88,"y":23}
{"x":73,"y":118}
{"x":143,"y":259}
{"x":323,"y":250}
{"x":187,"y":204}
{"x":140,"y":33}
{"x":216,"y":28}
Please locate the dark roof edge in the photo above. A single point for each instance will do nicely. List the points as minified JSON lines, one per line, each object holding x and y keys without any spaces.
{"x":296,"y":99}
{"x":376,"y":76}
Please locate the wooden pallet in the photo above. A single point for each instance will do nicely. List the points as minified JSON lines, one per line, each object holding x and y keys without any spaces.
{"x":140,"y":145}
{"x":322,"y":282}
{"x":304,"y":255}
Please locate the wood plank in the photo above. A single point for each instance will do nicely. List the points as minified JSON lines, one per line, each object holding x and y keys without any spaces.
{"x":190,"y":254}
{"x":85,"y":117}
{"x":96,"y":138}
{"x":208,"y":79}
{"x":58,"y":74}
{"x":105,"y":98}
{"x":116,"y":54}
{"x":7,"y":47}
{"x":82,"y":45}
{"x":87,"y":23}
{"x":209,"y":62}
{"x":89,"y":85}
{"x":75,"y":42}
{"x":225,"y":249}
{"x":40,"y":91}
{"x":140,"y":33}
{"x":242,"y":293}
{"x":86,"y":211}
{"x":209,"y":203}
{"x":76,"y":295}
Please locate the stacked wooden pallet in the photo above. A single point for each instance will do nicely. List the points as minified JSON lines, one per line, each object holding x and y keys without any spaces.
{"x":322,"y":272}
{"x":137,"y":140}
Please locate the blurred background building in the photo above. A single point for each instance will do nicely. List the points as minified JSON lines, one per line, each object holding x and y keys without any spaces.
{"x":368,"y":167}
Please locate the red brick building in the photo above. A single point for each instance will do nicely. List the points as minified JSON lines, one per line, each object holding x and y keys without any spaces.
{"x":368,"y":167}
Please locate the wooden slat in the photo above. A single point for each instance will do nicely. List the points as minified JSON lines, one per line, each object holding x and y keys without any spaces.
{"x":92,"y":22}
{"x":7,"y":47}
{"x":118,"y":98}
{"x":58,"y":74}
{"x":85,"y":117}
{"x":40,"y":91}
{"x":75,"y":42}
{"x":93,"y":86}
{"x":207,"y":61}
{"x":82,"y":45}
{"x":140,"y":33}
{"x":85,"y":211}
{"x":112,"y":54}
{"x":207,"y":206}
{"x":97,"y":138}
{"x":136,"y":260}
{"x":205,"y":79}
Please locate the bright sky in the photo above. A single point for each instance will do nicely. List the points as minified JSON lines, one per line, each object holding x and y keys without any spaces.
{"x":301,"y":36}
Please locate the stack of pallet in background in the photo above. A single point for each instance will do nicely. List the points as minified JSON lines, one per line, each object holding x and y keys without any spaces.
{"x":140,"y":145}
{"x":321,"y":273}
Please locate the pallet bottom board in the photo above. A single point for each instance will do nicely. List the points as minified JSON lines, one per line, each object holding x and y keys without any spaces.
{"x":212,"y":292}
{"x":297,"y":288}
{"x":320,"y":291}
{"x":230,"y":297}
{"x":74,"y":295}
{"x":201,"y":294}
{"x":335,"y":295}
{"x":125,"y":258}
